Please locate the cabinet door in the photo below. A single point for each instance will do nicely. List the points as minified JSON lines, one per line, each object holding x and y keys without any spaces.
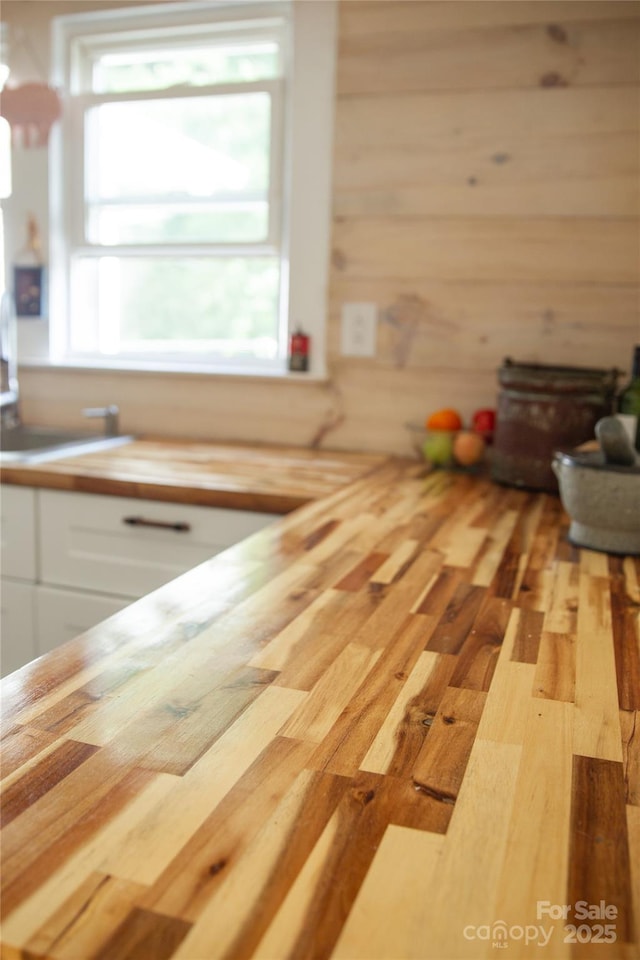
{"x":17,"y":639}
{"x":125,"y":546}
{"x":61,"y":615}
{"x":18,"y":538}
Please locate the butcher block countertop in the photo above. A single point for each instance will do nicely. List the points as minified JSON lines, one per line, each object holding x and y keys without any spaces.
{"x":400,"y":722}
{"x":269,"y":478}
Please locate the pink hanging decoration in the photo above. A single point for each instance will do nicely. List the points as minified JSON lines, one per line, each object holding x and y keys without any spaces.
{"x":30,"y":110}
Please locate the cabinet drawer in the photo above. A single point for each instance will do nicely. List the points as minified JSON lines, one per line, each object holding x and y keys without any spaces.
{"x":127,"y":546}
{"x":17,"y":625}
{"x":62,"y":614}
{"x":18,"y":539}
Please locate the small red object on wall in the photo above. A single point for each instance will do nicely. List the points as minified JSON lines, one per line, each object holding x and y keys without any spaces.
{"x":299,"y":351}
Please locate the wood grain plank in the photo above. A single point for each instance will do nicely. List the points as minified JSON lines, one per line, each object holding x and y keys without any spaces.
{"x":327,"y":639}
{"x":597,"y":717}
{"x":301,"y":846}
{"x":599,"y":864}
{"x":630,"y":726}
{"x":345,"y":743}
{"x":577,"y":53}
{"x":631,"y":574}
{"x":439,"y":768}
{"x":194,"y":724}
{"x":479,"y":653}
{"x":507,"y":708}
{"x":156,"y":630}
{"x":317,"y":621}
{"x":457,"y":620}
{"x":561,"y":615}
{"x":524,"y":178}
{"x":182,"y":640}
{"x":399,"y":881}
{"x":625,"y":625}
{"x":435,"y":918}
{"x":272,"y":478}
{"x":468,"y":831}
{"x":42,"y":777}
{"x":399,"y":741}
{"x":105,"y":833}
{"x":374,"y":18}
{"x":144,"y":933}
{"x":393,"y":601}
{"x":526,"y":643}
{"x":84,"y":923}
{"x":192,"y":877}
{"x":544,"y":548}
{"x":466,"y":249}
{"x":370,"y":122}
{"x":464,"y":547}
{"x":633,"y":829}
{"x":313,"y":914}
{"x":20,"y":744}
{"x":536,"y":859}
{"x":64,"y":715}
{"x":316,"y":717}
{"x":260,"y":880}
{"x":143,"y":854}
{"x":555,"y":677}
{"x":397,"y":563}
{"x":61,"y":674}
{"x":491,"y":556}
{"x":424,"y":324}
{"x":362,"y":573}
{"x":509,"y":574}
{"x":54,"y":839}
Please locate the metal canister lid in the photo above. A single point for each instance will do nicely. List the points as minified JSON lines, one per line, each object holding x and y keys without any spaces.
{"x":548,"y":378}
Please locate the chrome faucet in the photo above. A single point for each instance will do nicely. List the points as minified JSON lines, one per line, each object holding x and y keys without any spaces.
{"x":110,"y":414}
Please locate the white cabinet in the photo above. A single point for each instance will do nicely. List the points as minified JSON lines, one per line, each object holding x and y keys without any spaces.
{"x":61,"y":615}
{"x":70,"y":560}
{"x":127,"y":546}
{"x":17,"y":596}
{"x":18,"y":532}
{"x":17,"y":624}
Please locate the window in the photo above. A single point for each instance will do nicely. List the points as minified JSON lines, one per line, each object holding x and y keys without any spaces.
{"x":191,"y":222}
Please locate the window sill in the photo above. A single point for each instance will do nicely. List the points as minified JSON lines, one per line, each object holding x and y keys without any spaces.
{"x":173,"y":369}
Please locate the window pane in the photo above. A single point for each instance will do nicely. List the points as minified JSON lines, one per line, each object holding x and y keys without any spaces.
{"x":161,"y":68}
{"x":168,"y":152}
{"x":233,"y":222}
{"x":225,"y":306}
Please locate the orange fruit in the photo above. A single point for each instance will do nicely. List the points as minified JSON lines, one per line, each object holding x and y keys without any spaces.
{"x":446,"y":419}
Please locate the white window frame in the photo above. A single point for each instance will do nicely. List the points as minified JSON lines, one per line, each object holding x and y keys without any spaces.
{"x":308,"y":147}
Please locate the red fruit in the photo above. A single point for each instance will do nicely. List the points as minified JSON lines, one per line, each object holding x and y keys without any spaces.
{"x":484,"y":422}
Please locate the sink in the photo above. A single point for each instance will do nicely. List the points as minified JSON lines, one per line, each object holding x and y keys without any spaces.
{"x":25,"y":444}
{"x":20,"y":443}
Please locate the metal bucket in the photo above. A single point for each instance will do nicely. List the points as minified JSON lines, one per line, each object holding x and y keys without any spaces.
{"x":542,"y":409}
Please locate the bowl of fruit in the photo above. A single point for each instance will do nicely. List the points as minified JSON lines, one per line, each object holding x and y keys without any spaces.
{"x":444,"y":441}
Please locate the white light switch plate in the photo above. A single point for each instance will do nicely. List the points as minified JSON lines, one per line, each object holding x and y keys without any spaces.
{"x":359,"y":329}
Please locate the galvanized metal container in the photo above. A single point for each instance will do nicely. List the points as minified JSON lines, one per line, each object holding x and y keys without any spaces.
{"x":542,"y":409}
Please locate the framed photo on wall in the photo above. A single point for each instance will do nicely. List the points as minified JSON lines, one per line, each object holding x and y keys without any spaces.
{"x":28,"y":290}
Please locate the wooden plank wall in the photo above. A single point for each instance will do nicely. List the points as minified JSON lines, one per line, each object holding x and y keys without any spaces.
{"x":486,"y":188}
{"x":486,"y":197}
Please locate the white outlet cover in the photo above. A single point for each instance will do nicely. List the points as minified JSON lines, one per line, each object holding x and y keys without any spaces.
{"x":359,"y":329}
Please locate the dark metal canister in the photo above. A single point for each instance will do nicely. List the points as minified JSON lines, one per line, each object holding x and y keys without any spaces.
{"x":542,"y":409}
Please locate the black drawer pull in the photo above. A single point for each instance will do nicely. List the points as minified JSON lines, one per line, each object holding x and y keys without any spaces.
{"x":178,"y":526}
